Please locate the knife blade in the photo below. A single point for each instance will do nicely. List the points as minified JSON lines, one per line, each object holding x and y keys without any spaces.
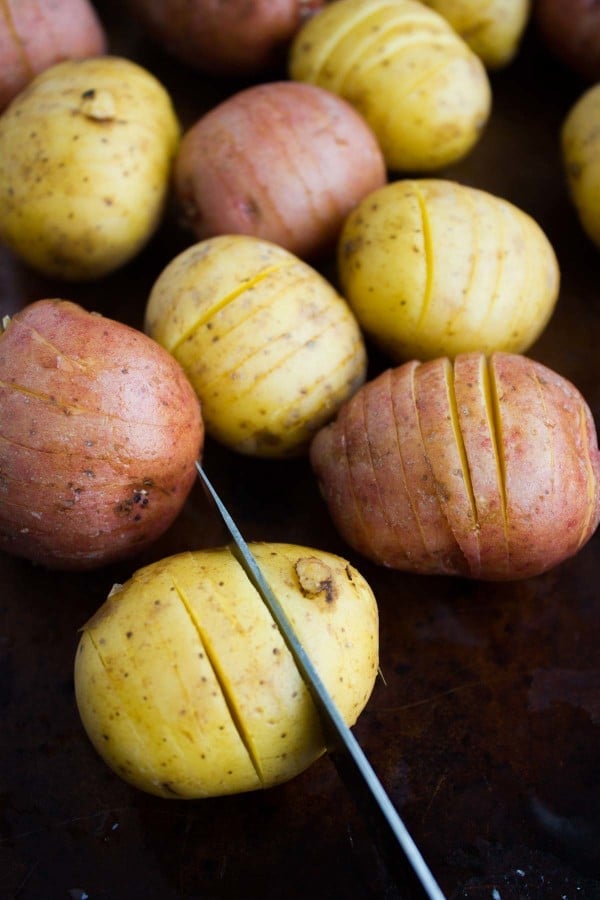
{"x":398,"y":849}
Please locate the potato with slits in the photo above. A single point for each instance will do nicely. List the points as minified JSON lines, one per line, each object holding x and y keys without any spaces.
{"x":486,"y":467}
{"x":186,"y":687}
{"x":270,"y":347}
{"x":434,"y":268}
{"x":492,"y":28}
{"x":422,"y":90}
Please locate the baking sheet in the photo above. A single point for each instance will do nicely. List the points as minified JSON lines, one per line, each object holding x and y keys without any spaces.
{"x":484,"y":724}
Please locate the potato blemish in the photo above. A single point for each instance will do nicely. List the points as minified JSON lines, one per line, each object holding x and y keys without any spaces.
{"x":315,"y":577}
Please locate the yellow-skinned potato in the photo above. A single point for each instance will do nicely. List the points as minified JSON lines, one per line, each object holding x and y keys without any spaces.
{"x":422,"y":90}
{"x":492,"y":28}
{"x":435,"y":268}
{"x":186,"y":687}
{"x":270,"y":347}
{"x":85,"y":157}
{"x":581,"y":158}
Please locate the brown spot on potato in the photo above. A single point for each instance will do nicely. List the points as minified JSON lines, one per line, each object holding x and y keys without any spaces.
{"x":315,"y":577}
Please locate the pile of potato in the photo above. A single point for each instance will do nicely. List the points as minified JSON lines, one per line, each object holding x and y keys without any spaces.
{"x":318,"y":224}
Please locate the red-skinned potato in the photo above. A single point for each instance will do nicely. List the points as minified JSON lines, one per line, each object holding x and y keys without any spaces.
{"x":571,"y":31}
{"x":99,"y":434}
{"x":35,"y":34}
{"x":282,"y":161}
{"x":486,"y":468}
{"x":233,"y":38}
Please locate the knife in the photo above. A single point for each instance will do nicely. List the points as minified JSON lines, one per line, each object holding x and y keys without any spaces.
{"x":391,"y":836}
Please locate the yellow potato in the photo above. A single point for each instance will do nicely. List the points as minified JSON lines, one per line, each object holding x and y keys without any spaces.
{"x":422,"y":90}
{"x":186,"y":687}
{"x":492,"y":28}
{"x":581,"y":157}
{"x":434,"y":268}
{"x":270,"y":347}
{"x":85,"y":159}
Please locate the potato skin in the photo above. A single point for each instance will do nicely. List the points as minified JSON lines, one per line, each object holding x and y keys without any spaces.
{"x":424,"y":93}
{"x":186,"y":688}
{"x":270,"y":347}
{"x":233,"y":38}
{"x":492,"y":29}
{"x":282,"y":161}
{"x":482,"y":468}
{"x":580,"y":147}
{"x":35,"y":35}
{"x":99,"y":435}
{"x":85,"y":159}
{"x":435,"y":268}
{"x":571,"y":31}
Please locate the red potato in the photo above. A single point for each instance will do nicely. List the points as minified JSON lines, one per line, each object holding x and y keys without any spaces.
{"x":36,"y":34}
{"x":233,"y":38}
{"x":283,"y":161}
{"x":571,"y":31}
{"x":99,"y":433}
{"x":486,"y":468}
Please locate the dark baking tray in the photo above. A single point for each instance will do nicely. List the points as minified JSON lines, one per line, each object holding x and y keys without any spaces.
{"x":484,"y":725}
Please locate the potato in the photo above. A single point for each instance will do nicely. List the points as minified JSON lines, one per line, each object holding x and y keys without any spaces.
{"x":486,"y":468}
{"x":35,"y":34}
{"x":492,"y":29}
{"x":435,"y":268}
{"x":270,"y":347}
{"x":580,"y":148}
{"x":99,"y":435}
{"x":186,"y":687}
{"x":571,"y":32}
{"x":425,"y":94}
{"x":282,"y":161}
{"x":233,"y":38}
{"x":85,"y":159}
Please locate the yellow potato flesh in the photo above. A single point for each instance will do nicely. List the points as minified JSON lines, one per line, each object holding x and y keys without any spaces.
{"x":479,"y":422}
{"x":270,"y":347}
{"x":444,"y":450}
{"x":85,"y":157}
{"x":434,"y":268}
{"x":419,"y":86}
{"x":186,"y":687}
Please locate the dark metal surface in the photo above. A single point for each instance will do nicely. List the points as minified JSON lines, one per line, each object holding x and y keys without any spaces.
{"x":484,"y":724}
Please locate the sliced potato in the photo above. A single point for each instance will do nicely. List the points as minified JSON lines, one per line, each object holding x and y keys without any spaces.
{"x":186,"y":687}
{"x":270,"y":347}
{"x":435,"y":268}
{"x":501,"y":460}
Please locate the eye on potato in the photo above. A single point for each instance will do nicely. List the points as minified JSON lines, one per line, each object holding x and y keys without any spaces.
{"x":492,"y":28}
{"x":270,"y":347}
{"x":99,"y":435}
{"x":435,"y":268}
{"x":85,"y":160}
{"x":35,"y":34}
{"x":580,"y":147}
{"x":233,"y":38}
{"x":484,"y":468}
{"x":422,"y":90}
{"x":282,"y":161}
{"x":186,"y":687}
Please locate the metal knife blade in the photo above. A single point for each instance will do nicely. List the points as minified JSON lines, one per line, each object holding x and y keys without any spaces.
{"x":398,"y":849}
